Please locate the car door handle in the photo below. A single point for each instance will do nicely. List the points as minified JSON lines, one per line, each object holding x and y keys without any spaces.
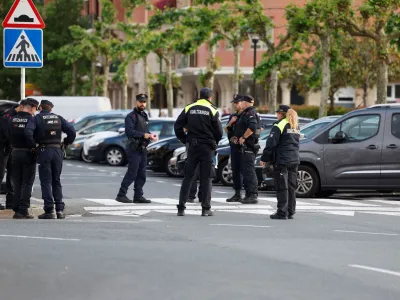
{"x":372,"y":147}
{"x":392,"y":146}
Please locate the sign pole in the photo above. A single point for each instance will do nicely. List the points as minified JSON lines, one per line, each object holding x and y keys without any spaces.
{"x":22,"y":83}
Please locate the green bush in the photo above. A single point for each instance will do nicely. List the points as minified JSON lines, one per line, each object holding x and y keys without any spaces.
{"x":306,"y":111}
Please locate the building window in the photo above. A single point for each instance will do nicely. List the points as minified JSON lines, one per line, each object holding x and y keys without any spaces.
{"x":87,"y":7}
{"x":393,"y":93}
{"x":345,"y":99}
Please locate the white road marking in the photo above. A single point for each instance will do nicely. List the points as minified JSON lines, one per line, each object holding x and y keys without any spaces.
{"x":386,"y":202}
{"x":89,"y":183}
{"x":273,"y":199}
{"x":237,"y":225}
{"x":382,"y":213}
{"x":340,"y":213}
{"x":187,"y":212}
{"x":38,"y":237}
{"x":257,"y":212}
{"x":80,"y":166}
{"x":344,"y":202}
{"x":102,"y":170}
{"x":363,"y":232}
{"x":126,"y":213}
{"x":160,"y":181}
{"x":105,"y":201}
{"x":168,"y":207}
{"x":69,"y":165}
{"x":122,"y":222}
{"x":37,"y":199}
{"x":376,"y":270}
{"x":178,"y":185}
{"x":219,"y":192}
{"x":91,"y":168}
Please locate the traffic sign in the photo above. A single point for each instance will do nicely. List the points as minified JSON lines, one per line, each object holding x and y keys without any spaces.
{"x":23,"y":48}
{"x":23,"y":14}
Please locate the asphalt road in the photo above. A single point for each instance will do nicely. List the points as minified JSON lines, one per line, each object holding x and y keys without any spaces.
{"x":345,"y":247}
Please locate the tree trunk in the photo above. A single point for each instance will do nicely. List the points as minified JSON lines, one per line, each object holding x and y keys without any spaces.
{"x":93,"y":79}
{"x":146,"y":82}
{"x":169,"y":87}
{"x":332,"y":99}
{"x":273,"y":90}
{"x":326,"y":73}
{"x":125,"y":89}
{"x":236,"y":74}
{"x":211,"y":62}
{"x":74,"y":77}
{"x":382,"y":82}
{"x":106,"y":66}
{"x":365,"y":92}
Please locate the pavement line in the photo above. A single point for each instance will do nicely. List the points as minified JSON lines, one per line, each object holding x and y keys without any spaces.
{"x":105,"y":201}
{"x":390,"y":202}
{"x":376,"y":270}
{"x":219,"y":192}
{"x":236,"y":225}
{"x":363,"y":232}
{"x":344,"y":202}
{"x":37,"y":199}
{"x":169,"y":207}
{"x":122,"y":222}
{"x":89,"y":183}
{"x":273,"y":199}
{"x":38,"y":237}
{"x":160,"y":181}
{"x":175,"y":184}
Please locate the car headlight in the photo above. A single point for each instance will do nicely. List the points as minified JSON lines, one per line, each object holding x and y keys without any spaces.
{"x":77,"y":145}
{"x":95,"y":143}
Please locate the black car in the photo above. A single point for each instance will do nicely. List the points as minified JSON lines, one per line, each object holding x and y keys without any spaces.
{"x":159,"y":154}
{"x":113,"y":149}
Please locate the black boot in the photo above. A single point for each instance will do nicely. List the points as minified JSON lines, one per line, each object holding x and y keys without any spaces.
{"x":190,"y":200}
{"x":47,"y":216}
{"x":2,"y":207}
{"x":23,"y":215}
{"x":290,"y":216}
{"x":278,"y":216}
{"x":60,"y":215}
{"x":206,"y":213}
{"x":181,"y":213}
{"x":235,"y":198}
{"x":141,"y":200}
{"x":123,"y":199}
{"x":252,"y":199}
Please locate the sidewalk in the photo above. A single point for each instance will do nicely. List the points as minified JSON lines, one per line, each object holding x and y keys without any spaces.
{"x":8,"y":214}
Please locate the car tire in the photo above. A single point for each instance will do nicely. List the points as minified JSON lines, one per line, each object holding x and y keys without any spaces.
{"x":167,"y":168}
{"x":86,"y":159}
{"x":115,"y":156}
{"x":225,"y":173}
{"x":307,"y":182}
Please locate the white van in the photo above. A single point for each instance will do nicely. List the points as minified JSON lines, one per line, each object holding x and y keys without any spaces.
{"x":71,"y":108}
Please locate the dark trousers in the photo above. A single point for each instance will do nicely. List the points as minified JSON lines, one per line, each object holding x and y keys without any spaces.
{"x":6,"y":163}
{"x":248,"y":172}
{"x":136,"y":173}
{"x":285,"y":186}
{"x":236,"y":158}
{"x":23,"y":177}
{"x":50,"y":162}
{"x":198,"y":156}
{"x":193,"y":187}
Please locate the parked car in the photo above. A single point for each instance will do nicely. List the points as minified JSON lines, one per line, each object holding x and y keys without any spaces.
{"x":359,"y":151}
{"x":99,"y":117}
{"x":6,"y":104}
{"x":310,"y":128}
{"x":75,"y":151}
{"x":112,"y":148}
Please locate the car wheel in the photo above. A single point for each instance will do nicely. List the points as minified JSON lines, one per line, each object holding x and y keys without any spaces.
{"x":85,"y":158}
{"x":225,"y":173}
{"x":115,"y":156}
{"x":307,"y":182}
{"x":173,"y":172}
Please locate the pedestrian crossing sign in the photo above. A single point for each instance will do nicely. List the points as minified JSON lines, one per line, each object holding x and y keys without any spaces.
{"x":23,"y":48}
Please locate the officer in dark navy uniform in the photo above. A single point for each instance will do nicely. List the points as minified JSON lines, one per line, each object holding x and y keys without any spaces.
{"x":5,"y":153}
{"x":23,"y":159}
{"x":204,"y":131}
{"x":45,"y":130}
{"x":245,"y":136}
{"x":138,"y":139}
{"x":235,"y":153}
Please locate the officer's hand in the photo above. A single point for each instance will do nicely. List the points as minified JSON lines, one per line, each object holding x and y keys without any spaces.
{"x":147,"y":136}
{"x":241,"y":141}
{"x":154,"y":137}
{"x":262,"y":164}
{"x":234,"y":140}
{"x":233,"y":120}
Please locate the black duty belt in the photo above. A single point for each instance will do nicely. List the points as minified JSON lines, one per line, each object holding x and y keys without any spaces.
{"x":20,"y":149}
{"x":50,"y":146}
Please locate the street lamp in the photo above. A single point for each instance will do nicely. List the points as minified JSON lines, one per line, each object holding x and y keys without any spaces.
{"x":254,"y":38}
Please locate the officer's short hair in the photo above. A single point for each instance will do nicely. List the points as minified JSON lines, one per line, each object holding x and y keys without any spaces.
{"x":31,"y":102}
{"x":206,"y":93}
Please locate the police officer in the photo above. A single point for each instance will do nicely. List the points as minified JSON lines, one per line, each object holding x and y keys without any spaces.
{"x":245,"y":136}
{"x":5,"y":153}
{"x":235,"y":153}
{"x":138,"y":139}
{"x":23,"y":159}
{"x":45,"y":130}
{"x":204,"y":131}
{"x":282,"y":150}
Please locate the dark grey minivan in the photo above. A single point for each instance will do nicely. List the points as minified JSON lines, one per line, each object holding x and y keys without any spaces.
{"x":361,"y":151}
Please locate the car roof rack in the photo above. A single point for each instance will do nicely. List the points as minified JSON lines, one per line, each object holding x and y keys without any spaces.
{"x":385,"y":105}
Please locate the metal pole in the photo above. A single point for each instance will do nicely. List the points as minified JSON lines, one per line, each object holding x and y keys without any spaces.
{"x":254,"y":66}
{"x":22,"y":83}
{"x":160,"y":89}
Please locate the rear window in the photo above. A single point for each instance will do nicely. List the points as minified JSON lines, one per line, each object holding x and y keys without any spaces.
{"x":396,"y":125}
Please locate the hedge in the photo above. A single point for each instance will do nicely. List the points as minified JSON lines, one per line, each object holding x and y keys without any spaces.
{"x":306,"y":111}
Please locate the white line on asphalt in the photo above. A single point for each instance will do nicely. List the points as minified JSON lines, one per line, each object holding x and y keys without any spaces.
{"x":344,"y":202}
{"x":91,"y":168}
{"x":106,"y":201}
{"x":219,"y":192}
{"x":80,"y":166}
{"x":386,"y":202}
{"x":102,"y":170}
{"x":37,"y":199}
{"x":382,"y":213}
{"x":168,"y":207}
{"x":69,"y":165}
{"x":376,"y":270}
{"x":122,"y":222}
{"x":160,"y":181}
{"x":363,"y":232}
{"x":236,"y":225}
{"x":179,"y":185}
{"x":273,"y":199}
{"x":89,"y":183}
{"x":38,"y":237}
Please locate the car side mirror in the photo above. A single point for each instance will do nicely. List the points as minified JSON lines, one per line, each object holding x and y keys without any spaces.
{"x":339,"y":137}
{"x":121,"y":130}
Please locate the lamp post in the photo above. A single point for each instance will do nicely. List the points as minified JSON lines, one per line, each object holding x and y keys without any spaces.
{"x":254,"y":38}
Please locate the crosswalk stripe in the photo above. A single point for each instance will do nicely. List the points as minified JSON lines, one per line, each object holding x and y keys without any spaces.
{"x":344,"y":202}
{"x":273,"y":199}
{"x":390,"y":202}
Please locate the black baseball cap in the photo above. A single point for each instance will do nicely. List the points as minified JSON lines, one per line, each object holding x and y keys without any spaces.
{"x":46,"y":102}
{"x":141,"y":97}
{"x":283,"y":108}
{"x":237,"y":98}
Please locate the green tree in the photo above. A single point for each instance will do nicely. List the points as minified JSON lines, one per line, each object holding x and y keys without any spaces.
{"x":375,"y":20}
